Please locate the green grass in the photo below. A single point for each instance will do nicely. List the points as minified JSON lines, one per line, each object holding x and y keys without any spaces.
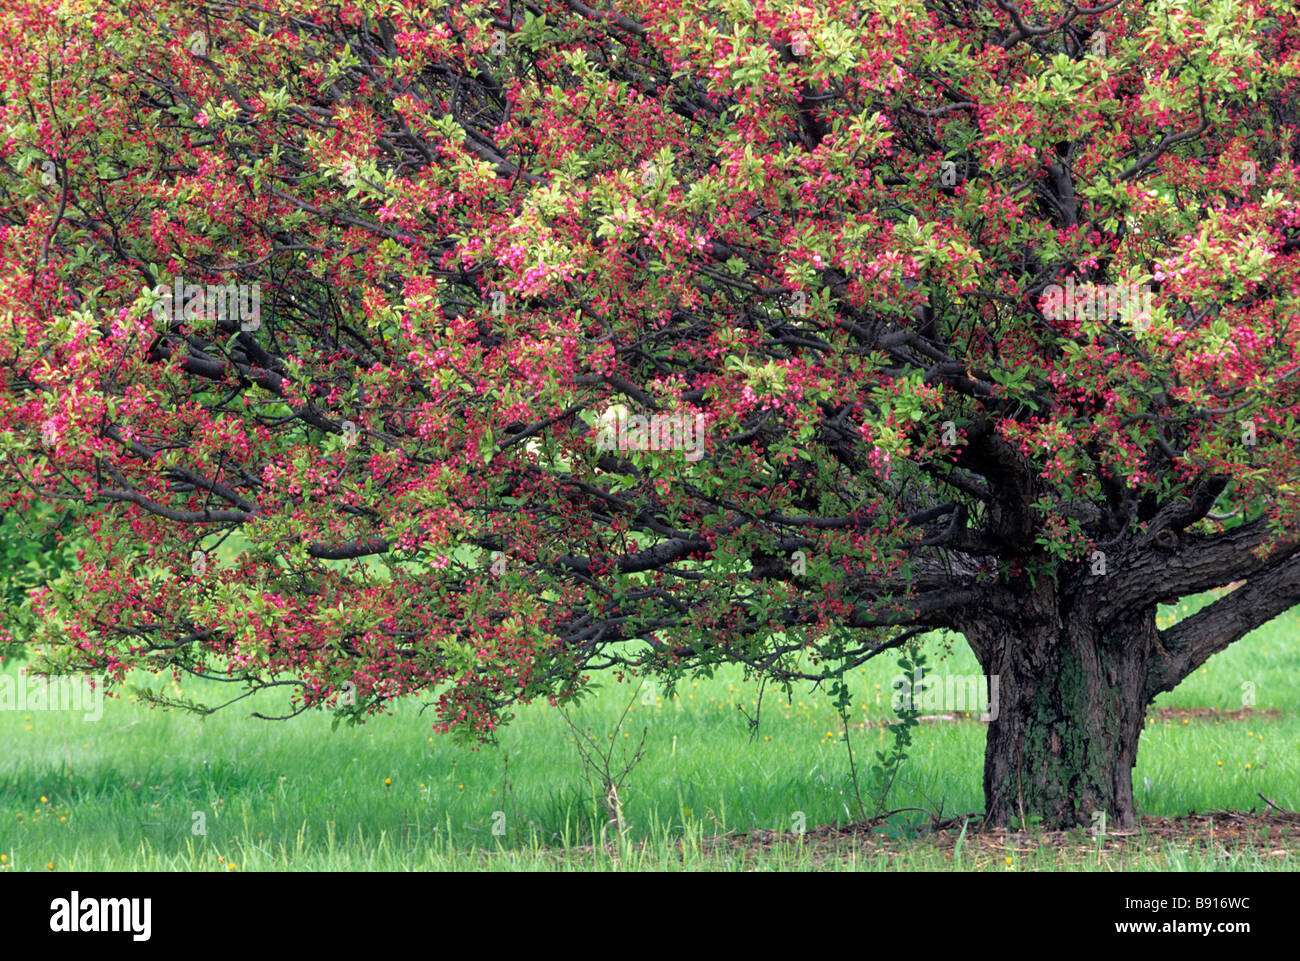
{"x":122,"y":793}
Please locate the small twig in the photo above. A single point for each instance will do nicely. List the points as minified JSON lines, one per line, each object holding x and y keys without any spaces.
{"x":1280,"y":810}
{"x":598,"y":767}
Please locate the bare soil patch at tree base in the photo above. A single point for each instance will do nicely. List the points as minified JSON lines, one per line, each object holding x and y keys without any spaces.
{"x":1272,"y":834}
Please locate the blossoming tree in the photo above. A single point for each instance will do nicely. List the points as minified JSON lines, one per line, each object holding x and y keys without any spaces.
{"x":321,"y":316}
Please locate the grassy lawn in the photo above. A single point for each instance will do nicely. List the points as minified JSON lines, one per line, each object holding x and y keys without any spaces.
{"x":123,"y":793}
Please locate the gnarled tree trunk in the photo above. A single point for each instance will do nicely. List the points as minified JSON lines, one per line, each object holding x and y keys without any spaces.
{"x":1072,"y":702}
{"x":1075,"y":679}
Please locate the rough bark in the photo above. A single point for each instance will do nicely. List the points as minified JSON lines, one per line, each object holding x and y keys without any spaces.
{"x":1072,"y":702}
{"x":1075,"y":679}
